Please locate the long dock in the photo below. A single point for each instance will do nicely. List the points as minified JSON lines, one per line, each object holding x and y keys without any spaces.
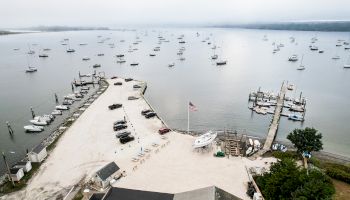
{"x":275,"y":120}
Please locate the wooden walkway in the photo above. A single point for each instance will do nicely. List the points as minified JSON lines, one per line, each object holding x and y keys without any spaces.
{"x":275,"y":120}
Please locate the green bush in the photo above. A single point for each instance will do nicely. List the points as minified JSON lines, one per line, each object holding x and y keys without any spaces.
{"x":287,"y":154}
{"x":339,"y":172}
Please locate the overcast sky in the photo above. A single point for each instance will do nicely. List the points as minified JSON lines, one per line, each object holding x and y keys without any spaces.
{"x":23,"y":13}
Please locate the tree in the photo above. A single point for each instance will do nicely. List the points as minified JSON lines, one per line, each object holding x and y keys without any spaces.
{"x":306,"y":140}
{"x":288,"y":181}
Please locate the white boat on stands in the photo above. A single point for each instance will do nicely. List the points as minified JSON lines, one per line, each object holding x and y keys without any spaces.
{"x":33,"y":128}
{"x":62,"y":107}
{"x":205,"y":139}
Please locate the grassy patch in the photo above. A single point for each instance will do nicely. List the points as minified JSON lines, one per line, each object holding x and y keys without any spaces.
{"x":342,"y":190}
{"x":288,"y":154}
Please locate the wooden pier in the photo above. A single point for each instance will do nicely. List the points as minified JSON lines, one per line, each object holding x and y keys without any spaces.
{"x":275,"y":120}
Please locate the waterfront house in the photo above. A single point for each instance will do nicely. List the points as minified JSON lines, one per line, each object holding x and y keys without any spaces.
{"x":105,"y":175}
{"x":16,"y":174}
{"x":208,"y":193}
{"x":25,"y":165}
{"x":38,"y":154}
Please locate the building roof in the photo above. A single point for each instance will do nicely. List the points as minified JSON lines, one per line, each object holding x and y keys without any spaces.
{"x":38,"y":148}
{"x":97,"y":196}
{"x":208,"y":193}
{"x":129,"y":194}
{"x":22,"y":163}
{"x":14,"y":170}
{"x":107,"y":170}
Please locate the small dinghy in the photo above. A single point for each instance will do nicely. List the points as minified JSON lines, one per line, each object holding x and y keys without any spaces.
{"x":56,"y":112}
{"x":62,"y":107}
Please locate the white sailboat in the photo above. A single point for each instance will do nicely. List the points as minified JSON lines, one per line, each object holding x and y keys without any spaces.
{"x":33,"y":128}
{"x":347,"y":64}
{"x":205,"y":139}
{"x":301,"y":66}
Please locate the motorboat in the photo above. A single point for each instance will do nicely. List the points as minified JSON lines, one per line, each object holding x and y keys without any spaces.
{"x":171,"y":65}
{"x":96,"y":65}
{"x":295,"y":117}
{"x":33,"y":128}
{"x":293,"y":58}
{"x":70,"y":50}
{"x":86,"y":58}
{"x":56,"y":112}
{"x":100,"y":54}
{"x":38,"y":122}
{"x":291,"y":87}
{"x":205,"y":139}
{"x":31,"y":69}
{"x":214,"y":57}
{"x":296,"y":108}
{"x":152,"y":54}
{"x":83,"y":44}
{"x":182,"y":42}
{"x":67,"y":102}
{"x":134,"y":64}
{"x":222,"y":62}
{"x":121,"y":61}
{"x":119,"y":55}
{"x":313,"y":48}
{"x":61,"y":107}
{"x":336,"y":57}
{"x":260,"y":110}
{"x":43,"y":55}
{"x":182,"y":58}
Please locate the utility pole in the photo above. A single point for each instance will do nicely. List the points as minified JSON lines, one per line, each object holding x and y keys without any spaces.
{"x":8,"y":169}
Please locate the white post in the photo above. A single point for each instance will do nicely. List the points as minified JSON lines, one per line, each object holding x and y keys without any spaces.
{"x":188,"y":117}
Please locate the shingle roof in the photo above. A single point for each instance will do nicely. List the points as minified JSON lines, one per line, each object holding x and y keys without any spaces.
{"x":38,"y":148}
{"x":128,"y":194}
{"x":107,"y":170}
{"x":14,"y":170}
{"x":97,"y":196}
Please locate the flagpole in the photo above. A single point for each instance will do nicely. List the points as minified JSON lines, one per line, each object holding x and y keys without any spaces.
{"x":188,"y":117}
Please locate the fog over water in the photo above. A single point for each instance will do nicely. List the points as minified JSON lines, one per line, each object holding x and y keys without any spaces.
{"x":23,"y":13}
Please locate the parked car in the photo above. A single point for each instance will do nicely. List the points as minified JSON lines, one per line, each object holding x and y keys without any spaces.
{"x":123,"y":134}
{"x":163,"y":131}
{"x":120,"y":127}
{"x":118,"y":83}
{"x":126,"y":139}
{"x":144,"y":112}
{"x":119,"y":122}
{"x":128,"y":79}
{"x":150,"y":114}
{"x":132,"y":98}
{"x":115,"y":106}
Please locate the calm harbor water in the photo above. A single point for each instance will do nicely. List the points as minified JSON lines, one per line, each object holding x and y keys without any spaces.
{"x":219,"y":92}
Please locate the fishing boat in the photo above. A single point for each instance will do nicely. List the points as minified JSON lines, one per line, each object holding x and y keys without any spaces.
{"x":33,"y":128}
{"x":205,"y":139}
{"x":61,"y":107}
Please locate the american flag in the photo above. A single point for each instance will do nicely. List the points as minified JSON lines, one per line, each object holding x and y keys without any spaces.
{"x":192,"y":107}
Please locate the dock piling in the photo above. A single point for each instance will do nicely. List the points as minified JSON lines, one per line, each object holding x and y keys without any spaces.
{"x":32,"y":111}
{"x":9,"y":127}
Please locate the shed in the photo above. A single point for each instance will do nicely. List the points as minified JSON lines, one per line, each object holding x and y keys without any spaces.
{"x":25,"y":165}
{"x":16,"y":174}
{"x":38,"y":154}
{"x":104,"y":175}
